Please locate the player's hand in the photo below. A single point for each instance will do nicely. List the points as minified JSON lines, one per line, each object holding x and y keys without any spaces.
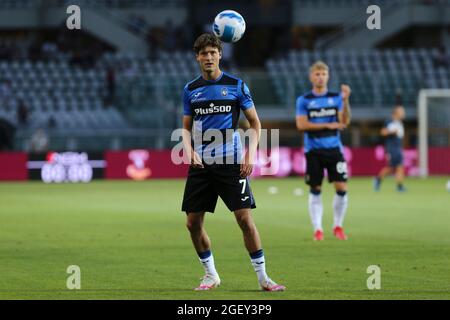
{"x":246,"y":167}
{"x":336,"y":126}
{"x":196,"y":161}
{"x":345,"y":91}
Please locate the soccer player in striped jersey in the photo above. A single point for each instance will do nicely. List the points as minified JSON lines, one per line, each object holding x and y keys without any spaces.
{"x":212,"y":103}
{"x":321,"y":115}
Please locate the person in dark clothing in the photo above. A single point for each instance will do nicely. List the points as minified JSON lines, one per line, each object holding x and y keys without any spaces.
{"x":7,"y":131}
{"x":22,"y":113}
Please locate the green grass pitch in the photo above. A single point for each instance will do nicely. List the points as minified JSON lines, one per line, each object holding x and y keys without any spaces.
{"x":130,"y":241}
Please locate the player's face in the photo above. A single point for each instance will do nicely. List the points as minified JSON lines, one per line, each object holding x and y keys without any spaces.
{"x":209,"y":58}
{"x":319,"y":78}
{"x":400,"y":113}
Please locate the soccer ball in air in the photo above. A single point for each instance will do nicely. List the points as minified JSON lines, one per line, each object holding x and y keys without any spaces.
{"x":448,"y":186}
{"x":229,"y":26}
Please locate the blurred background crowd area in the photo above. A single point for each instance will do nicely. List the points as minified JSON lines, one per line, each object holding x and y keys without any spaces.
{"x":117,"y":82}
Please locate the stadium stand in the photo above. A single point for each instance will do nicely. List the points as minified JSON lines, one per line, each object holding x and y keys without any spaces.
{"x":116,"y":4}
{"x":140,"y":62}
{"x":76,"y":97}
{"x":145,"y":93}
{"x":55,"y":89}
{"x":148,"y":90}
{"x":359,"y":3}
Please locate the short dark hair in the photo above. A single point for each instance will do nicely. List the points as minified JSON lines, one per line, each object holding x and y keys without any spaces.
{"x":205,"y":40}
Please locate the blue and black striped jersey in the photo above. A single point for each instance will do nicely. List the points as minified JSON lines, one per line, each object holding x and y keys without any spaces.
{"x":217,"y":105}
{"x":321,"y":109}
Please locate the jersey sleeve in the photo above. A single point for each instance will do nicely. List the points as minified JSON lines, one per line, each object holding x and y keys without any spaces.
{"x":244,"y":96}
{"x":301,"y":107}
{"x":186,"y":105}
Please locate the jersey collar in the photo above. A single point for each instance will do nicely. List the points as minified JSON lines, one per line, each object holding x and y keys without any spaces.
{"x":214,"y":81}
{"x":319,"y":95}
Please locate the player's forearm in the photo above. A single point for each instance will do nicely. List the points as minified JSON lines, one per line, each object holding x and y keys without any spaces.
{"x":187,"y":138}
{"x":386,"y":132}
{"x":347,"y":113}
{"x":310,"y":126}
{"x":255,"y":134}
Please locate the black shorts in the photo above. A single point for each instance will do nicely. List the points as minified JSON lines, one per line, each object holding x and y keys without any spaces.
{"x":395,"y":158}
{"x":204,"y":186}
{"x":319,"y":159}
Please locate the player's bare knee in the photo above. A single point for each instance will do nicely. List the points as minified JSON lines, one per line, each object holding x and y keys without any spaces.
{"x":316,"y":190}
{"x":241,"y":220}
{"x":194,"y":225}
{"x":245,"y":221}
{"x":194,"y":228}
{"x":246,"y":225}
{"x":340,"y":187}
